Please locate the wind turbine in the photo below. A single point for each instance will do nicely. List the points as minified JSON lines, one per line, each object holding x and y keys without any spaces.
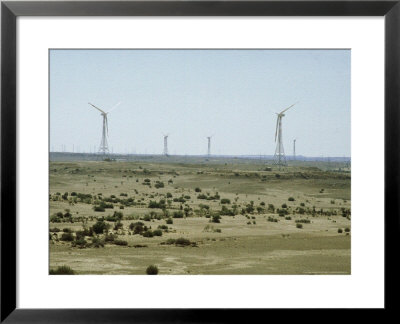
{"x":104,"y":143}
{"x":209,"y":145}
{"x":165,"y":152}
{"x":279,"y":157}
{"x":294,"y":149}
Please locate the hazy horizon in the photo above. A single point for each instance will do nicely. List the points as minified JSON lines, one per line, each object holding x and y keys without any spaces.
{"x":191,"y":94}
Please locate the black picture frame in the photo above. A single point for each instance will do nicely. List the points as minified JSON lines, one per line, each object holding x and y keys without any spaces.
{"x":10,"y":10}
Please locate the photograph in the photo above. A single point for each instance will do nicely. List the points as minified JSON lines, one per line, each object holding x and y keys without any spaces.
{"x":199,"y":161}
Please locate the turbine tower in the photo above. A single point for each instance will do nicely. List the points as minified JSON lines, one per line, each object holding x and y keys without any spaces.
{"x":294,"y":149}
{"x":279,"y":157}
{"x":103,"y":149}
{"x":209,"y":145}
{"x":165,"y":152}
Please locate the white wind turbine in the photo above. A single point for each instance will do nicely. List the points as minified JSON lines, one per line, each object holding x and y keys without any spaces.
{"x":104,"y":142}
{"x":209,"y":145}
{"x":279,"y":157}
{"x":165,"y":152}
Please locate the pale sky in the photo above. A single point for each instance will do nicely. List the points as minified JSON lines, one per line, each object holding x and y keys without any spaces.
{"x":191,"y":94}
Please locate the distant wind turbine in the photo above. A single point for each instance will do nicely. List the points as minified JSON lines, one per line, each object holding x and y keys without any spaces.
{"x":165,"y":152}
{"x":104,"y":142}
{"x":279,"y":157}
{"x":209,"y":145}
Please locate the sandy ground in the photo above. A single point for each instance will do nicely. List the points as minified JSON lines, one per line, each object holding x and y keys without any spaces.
{"x":240,"y":248}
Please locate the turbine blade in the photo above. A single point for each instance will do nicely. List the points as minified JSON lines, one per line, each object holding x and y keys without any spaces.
{"x":287,"y":108}
{"x":276,"y":130}
{"x":97,"y":108}
{"x":106,"y":124}
{"x":114,"y":107}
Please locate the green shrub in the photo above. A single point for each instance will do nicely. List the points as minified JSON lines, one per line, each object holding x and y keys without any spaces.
{"x":132,"y":225}
{"x":301,"y":210}
{"x":68,"y":237}
{"x":159,"y":184}
{"x":304,"y":221}
{"x":216,"y":219}
{"x":79,"y":242}
{"x":98,"y":209}
{"x":182,"y":241}
{"x":155,"y":204}
{"x":137,"y":228}
{"x":148,"y":233}
{"x":79,"y":235}
{"x":226,"y":211}
{"x":99,"y":227}
{"x":282,"y":212}
{"x":225,"y":201}
{"x":260,"y":210}
{"x":152,"y":270}
{"x":96,"y":242}
{"x":62,"y":270}
{"x":298,"y":225}
{"x":340,"y":230}
{"x":157,"y":232}
{"x":177,"y":214}
{"x":347,"y":230}
{"x":197,"y":189}
{"x":55,"y":219}
{"x":140,"y":246}
{"x":169,"y":242}
{"x":54,"y":230}
{"x":87,"y":231}
{"x":291,"y":199}
{"x":169,"y":221}
{"x":204,"y":206}
{"x":121,"y":242}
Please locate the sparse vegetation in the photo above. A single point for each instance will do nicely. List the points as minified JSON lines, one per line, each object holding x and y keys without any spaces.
{"x":152,"y":270}
{"x":304,"y":221}
{"x":230,"y":211}
{"x":62,"y":270}
{"x":68,"y":237}
{"x":99,"y":227}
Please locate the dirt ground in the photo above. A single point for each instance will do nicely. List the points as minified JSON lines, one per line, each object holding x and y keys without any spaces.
{"x":308,"y":231}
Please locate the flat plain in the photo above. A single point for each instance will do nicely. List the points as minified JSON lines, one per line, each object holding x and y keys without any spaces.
{"x":200,"y":216}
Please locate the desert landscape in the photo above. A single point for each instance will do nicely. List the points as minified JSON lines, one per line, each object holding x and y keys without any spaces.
{"x":200,"y":161}
{"x":169,"y":215}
